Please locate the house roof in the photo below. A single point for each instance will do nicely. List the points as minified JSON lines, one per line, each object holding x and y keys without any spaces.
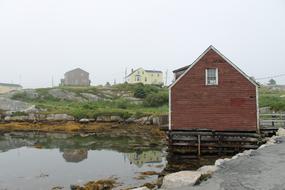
{"x":189,"y":67}
{"x":77,"y":69}
{"x":181,"y":69}
{"x":10,"y":85}
{"x":153,"y":71}
{"x":148,"y":71}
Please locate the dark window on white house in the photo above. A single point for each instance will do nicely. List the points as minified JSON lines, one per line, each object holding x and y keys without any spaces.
{"x":138,"y":78}
{"x":212,"y":77}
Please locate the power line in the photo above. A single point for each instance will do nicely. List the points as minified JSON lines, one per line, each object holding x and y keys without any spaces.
{"x":271,"y":77}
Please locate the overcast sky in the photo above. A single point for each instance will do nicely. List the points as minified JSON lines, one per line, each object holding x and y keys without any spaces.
{"x":41,"y":39}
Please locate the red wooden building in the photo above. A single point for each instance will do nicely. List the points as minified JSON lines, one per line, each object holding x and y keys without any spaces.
{"x":213,"y":94}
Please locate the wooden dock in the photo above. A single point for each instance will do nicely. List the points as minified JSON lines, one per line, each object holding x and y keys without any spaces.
{"x":206,"y":142}
{"x":203,"y":142}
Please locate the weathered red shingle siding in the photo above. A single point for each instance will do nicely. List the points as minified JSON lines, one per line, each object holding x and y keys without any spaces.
{"x":230,"y":106}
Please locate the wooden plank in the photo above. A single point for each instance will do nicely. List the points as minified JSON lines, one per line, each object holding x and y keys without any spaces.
{"x":199,"y":145}
{"x":194,"y":133}
{"x":272,"y":115}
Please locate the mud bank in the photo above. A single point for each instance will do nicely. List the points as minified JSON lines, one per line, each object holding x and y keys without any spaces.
{"x":100,"y":129}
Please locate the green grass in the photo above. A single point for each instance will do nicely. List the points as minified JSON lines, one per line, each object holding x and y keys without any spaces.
{"x":155,"y":101}
{"x":113,"y":105}
{"x":94,"y":109}
{"x":272,"y":99}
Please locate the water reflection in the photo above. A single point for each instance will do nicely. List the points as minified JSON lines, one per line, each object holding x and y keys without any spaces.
{"x":75,"y":155}
{"x":74,"y":159}
{"x":140,"y":158}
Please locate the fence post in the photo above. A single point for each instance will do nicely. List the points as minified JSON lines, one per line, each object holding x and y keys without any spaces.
{"x":199,"y":145}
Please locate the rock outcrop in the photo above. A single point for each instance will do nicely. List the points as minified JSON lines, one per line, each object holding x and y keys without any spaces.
{"x":59,"y":117}
{"x":9,"y":105}
{"x":180,"y":179}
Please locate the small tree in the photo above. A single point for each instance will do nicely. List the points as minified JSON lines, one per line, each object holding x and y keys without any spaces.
{"x":107,"y":84}
{"x":140,"y":92}
{"x":272,"y":82}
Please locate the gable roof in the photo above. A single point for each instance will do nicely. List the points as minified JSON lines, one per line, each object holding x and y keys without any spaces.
{"x":77,"y":69}
{"x":181,"y":69}
{"x":11,"y":85}
{"x":189,"y":67}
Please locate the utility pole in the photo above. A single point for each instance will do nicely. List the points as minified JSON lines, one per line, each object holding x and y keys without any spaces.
{"x":166,"y":77}
{"x":52,"y":85}
{"x":126,"y":73}
{"x":20,"y":79}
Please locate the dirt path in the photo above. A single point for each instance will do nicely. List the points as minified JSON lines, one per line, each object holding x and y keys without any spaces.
{"x":263,"y":170}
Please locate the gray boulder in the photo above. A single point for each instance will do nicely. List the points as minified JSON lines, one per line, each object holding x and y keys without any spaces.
{"x":16,"y":118}
{"x":116,"y":119}
{"x":181,"y":179}
{"x":91,"y":97}
{"x":155,"y":120}
{"x":31,"y":93}
{"x":9,"y":105}
{"x":85,"y":120}
{"x":103,"y":119}
{"x":207,"y":170}
{"x":59,"y":117}
{"x":144,"y":121}
{"x":65,"y":95}
{"x":131,"y":120}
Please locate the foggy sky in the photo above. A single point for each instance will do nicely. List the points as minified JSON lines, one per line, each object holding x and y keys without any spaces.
{"x":42,"y":39}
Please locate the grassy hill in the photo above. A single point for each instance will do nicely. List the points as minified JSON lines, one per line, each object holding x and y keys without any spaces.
{"x":123,"y":100}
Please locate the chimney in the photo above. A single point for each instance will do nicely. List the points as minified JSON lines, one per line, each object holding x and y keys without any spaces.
{"x":132,"y":70}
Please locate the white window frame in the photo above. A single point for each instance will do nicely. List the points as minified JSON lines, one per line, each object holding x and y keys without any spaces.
{"x":217,"y":77}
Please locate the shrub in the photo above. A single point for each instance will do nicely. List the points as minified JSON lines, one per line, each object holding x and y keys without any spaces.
{"x":140,"y":92}
{"x":20,"y":96}
{"x":122,"y":103}
{"x":19,"y":113}
{"x":156,"y":99}
{"x":274,"y":102}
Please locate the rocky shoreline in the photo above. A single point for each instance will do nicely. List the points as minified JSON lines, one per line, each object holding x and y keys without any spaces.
{"x":192,"y":179}
{"x":41,"y":118}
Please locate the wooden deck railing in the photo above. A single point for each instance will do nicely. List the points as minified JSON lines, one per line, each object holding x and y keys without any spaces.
{"x":272,"y":120}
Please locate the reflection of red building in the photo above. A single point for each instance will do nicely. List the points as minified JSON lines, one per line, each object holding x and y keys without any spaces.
{"x":76,"y":155}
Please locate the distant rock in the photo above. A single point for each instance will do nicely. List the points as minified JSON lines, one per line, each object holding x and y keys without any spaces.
{"x":84,"y":120}
{"x":116,"y":119}
{"x":31,"y":93}
{"x":144,"y":121}
{"x":16,"y":118}
{"x":133,"y":99}
{"x":65,"y":95}
{"x":9,"y":105}
{"x":91,"y":97}
{"x":59,"y":117}
{"x":103,"y":119}
{"x":131,"y":120}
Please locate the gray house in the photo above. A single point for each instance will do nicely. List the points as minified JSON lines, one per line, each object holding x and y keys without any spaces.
{"x":76,"y":77}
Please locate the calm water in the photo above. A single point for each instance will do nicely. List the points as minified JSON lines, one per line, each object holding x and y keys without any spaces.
{"x":44,"y":161}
